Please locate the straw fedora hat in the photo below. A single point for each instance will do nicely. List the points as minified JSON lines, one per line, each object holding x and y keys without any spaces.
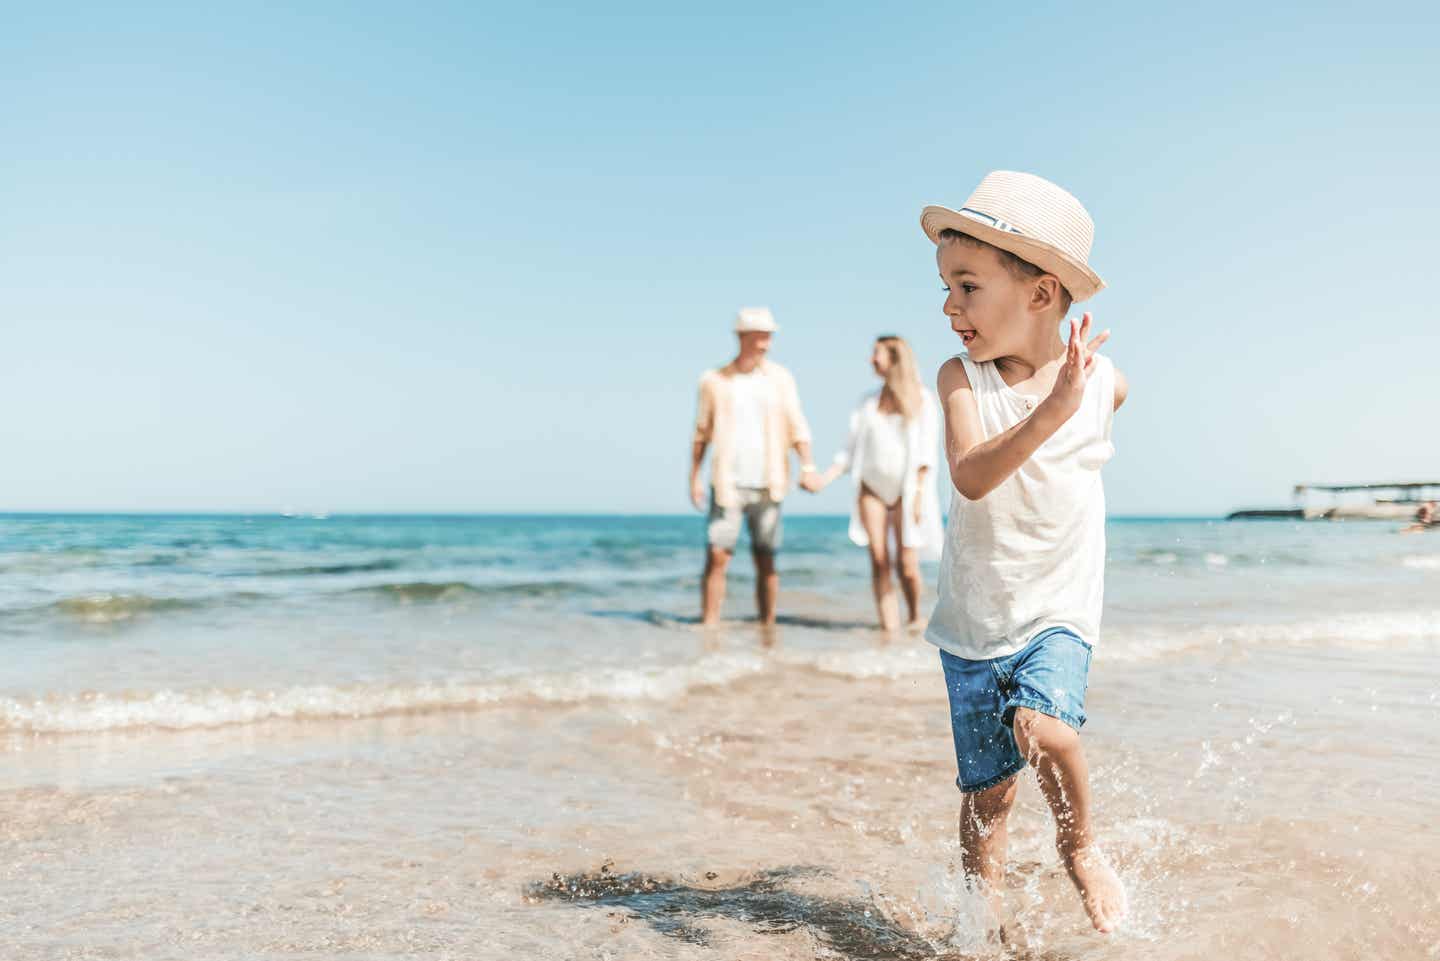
{"x":755,"y":319}
{"x":1032,"y":219}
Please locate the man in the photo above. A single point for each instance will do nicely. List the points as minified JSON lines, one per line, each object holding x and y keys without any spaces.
{"x":749,"y":412}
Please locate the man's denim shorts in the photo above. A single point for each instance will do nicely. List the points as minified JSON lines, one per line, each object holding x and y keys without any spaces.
{"x":1049,"y":675}
{"x":757,"y":509}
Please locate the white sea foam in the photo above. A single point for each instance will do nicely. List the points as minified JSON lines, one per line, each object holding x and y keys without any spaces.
{"x":1422,"y":562}
{"x":897,"y":662}
{"x":180,"y":710}
{"x":1355,"y":630}
{"x":1137,"y":643}
{"x":214,"y":707}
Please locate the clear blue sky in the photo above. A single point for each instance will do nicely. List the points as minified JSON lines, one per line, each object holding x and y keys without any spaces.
{"x":455,"y":257}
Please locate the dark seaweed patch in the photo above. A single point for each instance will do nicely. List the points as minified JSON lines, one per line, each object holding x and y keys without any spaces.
{"x":677,"y":909}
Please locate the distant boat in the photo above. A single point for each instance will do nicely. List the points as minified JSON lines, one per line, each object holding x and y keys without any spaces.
{"x":1381,"y":502}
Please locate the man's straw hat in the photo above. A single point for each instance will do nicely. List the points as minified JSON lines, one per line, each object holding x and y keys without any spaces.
{"x":1033,"y":219}
{"x":755,"y":318}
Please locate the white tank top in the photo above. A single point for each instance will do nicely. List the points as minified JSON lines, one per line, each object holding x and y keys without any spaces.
{"x":1030,"y":554}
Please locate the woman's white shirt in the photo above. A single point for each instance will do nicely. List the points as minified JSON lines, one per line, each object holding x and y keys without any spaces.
{"x":921,"y":437}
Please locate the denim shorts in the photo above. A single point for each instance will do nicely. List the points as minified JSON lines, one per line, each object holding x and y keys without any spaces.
{"x":1049,"y":675}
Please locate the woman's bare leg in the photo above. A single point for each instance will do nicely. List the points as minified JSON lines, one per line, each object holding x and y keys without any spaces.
{"x":874,"y":517}
{"x":907,"y":567}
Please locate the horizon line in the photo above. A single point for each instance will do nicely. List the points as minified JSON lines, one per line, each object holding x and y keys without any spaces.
{"x":324,"y":515}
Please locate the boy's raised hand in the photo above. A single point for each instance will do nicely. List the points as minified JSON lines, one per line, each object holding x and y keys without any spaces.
{"x":1070,"y":382}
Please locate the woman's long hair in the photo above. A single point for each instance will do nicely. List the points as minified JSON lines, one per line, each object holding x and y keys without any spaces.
{"x":902,"y":380}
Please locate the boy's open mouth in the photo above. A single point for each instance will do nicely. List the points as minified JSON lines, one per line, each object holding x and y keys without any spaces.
{"x":966,"y":336}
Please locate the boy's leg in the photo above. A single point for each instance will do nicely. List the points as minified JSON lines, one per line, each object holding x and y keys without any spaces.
{"x":1053,"y":748}
{"x":987,"y":761}
{"x":984,"y":839}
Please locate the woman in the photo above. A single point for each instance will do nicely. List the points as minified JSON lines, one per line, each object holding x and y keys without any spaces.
{"x":891,"y":454}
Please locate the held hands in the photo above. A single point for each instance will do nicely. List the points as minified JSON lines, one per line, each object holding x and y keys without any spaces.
{"x":812,"y":481}
{"x":1069,"y":389}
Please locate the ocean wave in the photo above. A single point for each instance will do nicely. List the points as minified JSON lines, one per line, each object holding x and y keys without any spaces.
{"x":1159,"y":557}
{"x":108,"y":608}
{"x":103,"y":607}
{"x":1137,"y":643}
{"x":410,"y":592}
{"x":1189,"y":557}
{"x":207,"y":708}
{"x":360,"y":567}
{"x":890,"y":663}
{"x":185,"y":710}
{"x":1365,"y":631}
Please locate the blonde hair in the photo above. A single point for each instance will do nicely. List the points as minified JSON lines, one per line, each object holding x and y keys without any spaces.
{"x":902,"y":379}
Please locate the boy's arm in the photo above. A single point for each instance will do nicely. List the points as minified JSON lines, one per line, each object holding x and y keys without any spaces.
{"x":978,"y":466}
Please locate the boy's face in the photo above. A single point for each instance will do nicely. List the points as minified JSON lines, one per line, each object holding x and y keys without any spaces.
{"x":987,"y":306}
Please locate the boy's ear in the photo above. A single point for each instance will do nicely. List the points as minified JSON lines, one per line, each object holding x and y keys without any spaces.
{"x":1046,"y":292}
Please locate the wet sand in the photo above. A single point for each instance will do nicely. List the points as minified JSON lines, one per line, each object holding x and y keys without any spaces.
{"x":1258,"y":802}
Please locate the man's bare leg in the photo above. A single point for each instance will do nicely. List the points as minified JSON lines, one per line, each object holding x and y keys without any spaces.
{"x":984,"y":838}
{"x":767,"y":585}
{"x":712,"y":584}
{"x":1053,"y":748}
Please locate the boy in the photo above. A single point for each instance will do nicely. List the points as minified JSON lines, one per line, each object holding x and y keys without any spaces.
{"x":1027,"y":428}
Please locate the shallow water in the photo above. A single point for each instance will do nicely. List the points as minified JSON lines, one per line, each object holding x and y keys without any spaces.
{"x":545,"y":757}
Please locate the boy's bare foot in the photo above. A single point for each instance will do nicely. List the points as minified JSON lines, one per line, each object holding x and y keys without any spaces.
{"x":915,"y":625}
{"x":986,"y":914}
{"x":1099,"y":886}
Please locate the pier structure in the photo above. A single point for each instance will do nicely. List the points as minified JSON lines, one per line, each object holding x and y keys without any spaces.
{"x":1395,"y":501}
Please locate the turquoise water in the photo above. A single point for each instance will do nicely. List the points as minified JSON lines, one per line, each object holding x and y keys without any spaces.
{"x":361,"y":612}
